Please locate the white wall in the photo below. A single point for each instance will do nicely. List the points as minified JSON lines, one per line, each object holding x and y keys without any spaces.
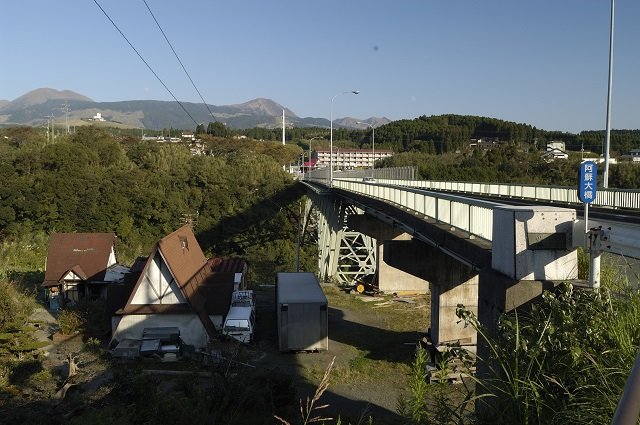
{"x":192,"y":331}
{"x":158,"y":286}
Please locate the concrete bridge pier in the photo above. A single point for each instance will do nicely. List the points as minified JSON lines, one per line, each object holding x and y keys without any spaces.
{"x":389,"y":278}
{"x":451,"y":283}
{"x":531,"y":252}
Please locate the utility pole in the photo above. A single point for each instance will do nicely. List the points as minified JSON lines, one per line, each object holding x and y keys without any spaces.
{"x":50,"y":125}
{"x":47,"y":132}
{"x":65,"y":108}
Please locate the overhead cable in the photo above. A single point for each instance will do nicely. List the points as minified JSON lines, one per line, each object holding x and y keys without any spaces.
{"x":145,"y":62}
{"x":176,"y":55}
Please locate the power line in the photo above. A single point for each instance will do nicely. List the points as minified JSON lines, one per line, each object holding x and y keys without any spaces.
{"x":145,"y":62}
{"x":176,"y":55}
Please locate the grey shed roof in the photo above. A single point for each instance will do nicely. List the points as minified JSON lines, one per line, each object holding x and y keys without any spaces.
{"x":299,"y":288}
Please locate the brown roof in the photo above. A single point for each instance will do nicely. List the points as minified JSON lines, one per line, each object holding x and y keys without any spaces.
{"x":227,"y":265}
{"x":182,"y":254}
{"x":86,"y":254}
{"x":207,"y":285}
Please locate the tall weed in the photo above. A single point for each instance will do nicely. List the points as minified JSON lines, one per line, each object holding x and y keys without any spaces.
{"x":565,"y":360}
{"x":432,"y":399}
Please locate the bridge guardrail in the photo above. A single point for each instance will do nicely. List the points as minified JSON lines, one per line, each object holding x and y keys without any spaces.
{"x":611,"y":198}
{"x":475,"y":216}
{"x":472,"y":216}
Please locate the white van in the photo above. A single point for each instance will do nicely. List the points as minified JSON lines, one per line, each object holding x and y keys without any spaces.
{"x":240,"y":323}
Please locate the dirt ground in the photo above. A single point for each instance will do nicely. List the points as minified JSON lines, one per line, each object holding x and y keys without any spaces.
{"x":372,"y":342}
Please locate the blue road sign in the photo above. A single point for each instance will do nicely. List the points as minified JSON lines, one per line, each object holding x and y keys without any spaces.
{"x":587,"y":182}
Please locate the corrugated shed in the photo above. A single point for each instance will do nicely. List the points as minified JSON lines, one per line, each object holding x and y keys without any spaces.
{"x":302,"y":313}
{"x":85,"y":254}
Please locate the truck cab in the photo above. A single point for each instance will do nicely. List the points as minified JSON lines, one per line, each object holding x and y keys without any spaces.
{"x":240,"y":323}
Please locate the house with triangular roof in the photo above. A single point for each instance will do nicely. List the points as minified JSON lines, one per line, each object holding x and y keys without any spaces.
{"x":178,"y":287}
{"x":80,"y":265}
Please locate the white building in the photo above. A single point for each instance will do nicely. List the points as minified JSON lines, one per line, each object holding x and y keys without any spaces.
{"x":556,"y":145}
{"x":553,"y":154}
{"x":348,"y":159}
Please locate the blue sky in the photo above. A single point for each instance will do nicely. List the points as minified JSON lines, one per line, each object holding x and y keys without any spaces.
{"x":540,"y":62}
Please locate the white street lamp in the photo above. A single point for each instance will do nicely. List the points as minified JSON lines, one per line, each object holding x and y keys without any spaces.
{"x":373,"y":145}
{"x":331,"y":133}
{"x":309,"y":166}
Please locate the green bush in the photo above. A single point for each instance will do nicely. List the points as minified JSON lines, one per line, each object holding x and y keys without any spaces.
{"x":87,"y":316}
{"x":15,"y":306}
{"x":71,"y":321}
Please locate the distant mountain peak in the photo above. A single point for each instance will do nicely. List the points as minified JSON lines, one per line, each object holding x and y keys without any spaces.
{"x":42,"y":95}
{"x":33,"y":107}
{"x":362,"y":124}
{"x":262,"y":106}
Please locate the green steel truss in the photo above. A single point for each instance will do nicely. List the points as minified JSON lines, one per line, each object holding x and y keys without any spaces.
{"x":344,"y":255}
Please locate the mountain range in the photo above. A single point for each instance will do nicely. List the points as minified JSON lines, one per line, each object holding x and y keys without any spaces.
{"x":66,"y":106}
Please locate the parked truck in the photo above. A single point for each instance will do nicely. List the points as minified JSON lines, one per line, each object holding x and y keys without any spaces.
{"x":301,"y":313}
{"x":243,"y":298}
{"x":240,"y":323}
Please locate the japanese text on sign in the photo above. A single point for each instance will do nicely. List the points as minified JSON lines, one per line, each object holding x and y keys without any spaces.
{"x":587,"y":182}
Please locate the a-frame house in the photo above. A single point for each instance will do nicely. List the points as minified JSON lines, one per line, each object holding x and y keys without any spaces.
{"x":177,"y":287}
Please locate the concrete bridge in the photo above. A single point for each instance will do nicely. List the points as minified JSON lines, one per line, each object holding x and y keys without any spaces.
{"x":489,"y":256}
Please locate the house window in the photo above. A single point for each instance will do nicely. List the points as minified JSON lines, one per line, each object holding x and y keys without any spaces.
{"x":71,"y":292}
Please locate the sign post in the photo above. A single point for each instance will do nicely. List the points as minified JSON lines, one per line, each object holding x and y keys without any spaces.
{"x":587,"y":183}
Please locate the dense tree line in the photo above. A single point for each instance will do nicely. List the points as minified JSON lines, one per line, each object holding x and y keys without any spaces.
{"x":428,"y":134}
{"x":507,"y":164}
{"x":238,"y":195}
{"x":448,"y":133}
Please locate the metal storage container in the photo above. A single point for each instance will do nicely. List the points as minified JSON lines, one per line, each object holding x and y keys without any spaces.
{"x":302,"y":313}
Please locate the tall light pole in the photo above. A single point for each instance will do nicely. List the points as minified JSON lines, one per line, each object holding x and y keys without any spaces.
{"x":605,"y":179}
{"x":283,"y":127}
{"x":309,"y":166}
{"x":331,"y":133}
{"x":373,"y":145}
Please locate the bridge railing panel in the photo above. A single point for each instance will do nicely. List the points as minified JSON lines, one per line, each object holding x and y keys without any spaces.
{"x":605,"y":198}
{"x":612,"y":198}
{"x":481,"y":220}
{"x":460,"y":216}
{"x":472,"y":216}
{"x":443,"y":212}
